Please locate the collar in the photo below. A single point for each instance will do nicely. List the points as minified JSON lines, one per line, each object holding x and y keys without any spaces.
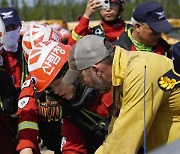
{"x":119,"y":66}
{"x":139,"y":46}
{"x":118,"y":23}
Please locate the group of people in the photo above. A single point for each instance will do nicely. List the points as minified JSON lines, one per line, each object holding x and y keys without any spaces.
{"x":112,"y":88}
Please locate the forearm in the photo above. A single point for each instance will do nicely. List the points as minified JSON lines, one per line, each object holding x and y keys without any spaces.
{"x":80,"y":30}
{"x":28,"y":130}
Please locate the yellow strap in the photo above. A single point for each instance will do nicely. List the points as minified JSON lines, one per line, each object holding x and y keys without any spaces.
{"x":75,"y":36}
{"x":27,"y":125}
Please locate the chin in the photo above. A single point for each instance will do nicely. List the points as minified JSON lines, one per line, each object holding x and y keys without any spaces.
{"x":109,"y":19}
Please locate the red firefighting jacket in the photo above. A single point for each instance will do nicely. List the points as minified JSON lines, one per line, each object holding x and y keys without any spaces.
{"x":13,"y":65}
{"x":74,"y":139}
{"x":28,"y":130}
{"x":110,"y":31}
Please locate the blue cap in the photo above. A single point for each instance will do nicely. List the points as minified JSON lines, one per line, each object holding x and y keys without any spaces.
{"x":10,"y":16}
{"x":153,"y":14}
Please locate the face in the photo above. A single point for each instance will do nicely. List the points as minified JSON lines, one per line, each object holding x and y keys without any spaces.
{"x":63,"y":90}
{"x":147,"y":35}
{"x":110,"y":14}
{"x":11,"y":28}
{"x":98,"y":81}
{"x":12,"y":37}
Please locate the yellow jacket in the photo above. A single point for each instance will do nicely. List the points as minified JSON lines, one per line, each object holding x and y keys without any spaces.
{"x":162,"y":109}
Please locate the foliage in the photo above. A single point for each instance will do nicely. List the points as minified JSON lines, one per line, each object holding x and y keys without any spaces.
{"x":70,"y":10}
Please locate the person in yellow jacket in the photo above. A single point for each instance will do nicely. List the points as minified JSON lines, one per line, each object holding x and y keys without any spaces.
{"x":146,"y":93}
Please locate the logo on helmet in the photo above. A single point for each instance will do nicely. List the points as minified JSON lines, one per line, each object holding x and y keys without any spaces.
{"x":52,"y":60}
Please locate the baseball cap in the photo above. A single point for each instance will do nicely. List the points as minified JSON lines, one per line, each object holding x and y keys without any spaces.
{"x":89,"y":50}
{"x":171,"y":79}
{"x":10,"y":16}
{"x":153,"y":14}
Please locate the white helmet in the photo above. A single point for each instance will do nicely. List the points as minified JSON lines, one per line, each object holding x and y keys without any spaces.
{"x":43,"y":32}
{"x":26,"y":44}
{"x":2,"y":34}
{"x":36,"y":34}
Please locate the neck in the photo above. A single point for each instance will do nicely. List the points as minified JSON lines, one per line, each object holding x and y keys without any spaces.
{"x":116,"y":21}
{"x":135,"y":36}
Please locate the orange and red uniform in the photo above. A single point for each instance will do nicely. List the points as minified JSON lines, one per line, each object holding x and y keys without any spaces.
{"x":110,"y":31}
{"x":74,"y":139}
{"x":28,"y":118}
{"x":13,"y":65}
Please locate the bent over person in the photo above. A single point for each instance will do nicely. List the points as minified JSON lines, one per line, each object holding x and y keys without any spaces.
{"x":146,"y":97}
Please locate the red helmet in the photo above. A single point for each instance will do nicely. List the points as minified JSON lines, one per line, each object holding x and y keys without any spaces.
{"x":118,"y":1}
{"x":45,"y":61}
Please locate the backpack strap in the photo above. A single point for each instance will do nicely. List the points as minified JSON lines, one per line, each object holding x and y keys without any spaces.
{"x":123,"y":41}
{"x":166,"y":47}
{"x":98,"y":30}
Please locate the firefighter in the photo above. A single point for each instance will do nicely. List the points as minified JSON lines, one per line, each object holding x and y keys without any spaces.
{"x":111,"y":26}
{"x":12,"y":47}
{"x":145,"y":35}
{"x":47,"y":60}
{"x":8,"y":102}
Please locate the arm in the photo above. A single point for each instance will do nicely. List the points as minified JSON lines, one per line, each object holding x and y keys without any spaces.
{"x":27,"y":119}
{"x":82,"y":28}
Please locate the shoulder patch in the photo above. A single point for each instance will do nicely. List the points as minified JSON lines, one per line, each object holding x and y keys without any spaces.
{"x":23,"y":102}
{"x":169,"y":81}
{"x":26,"y":84}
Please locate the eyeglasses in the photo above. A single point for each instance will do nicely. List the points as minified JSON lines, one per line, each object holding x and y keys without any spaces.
{"x":113,"y":5}
{"x":153,"y":31}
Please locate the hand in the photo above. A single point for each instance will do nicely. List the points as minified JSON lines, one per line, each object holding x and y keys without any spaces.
{"x":26,"y":151}
{"x":92,"y":6}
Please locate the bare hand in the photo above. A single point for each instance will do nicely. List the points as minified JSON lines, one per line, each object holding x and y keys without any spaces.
{"x":26,"y":151}
{"x":92,"y":6}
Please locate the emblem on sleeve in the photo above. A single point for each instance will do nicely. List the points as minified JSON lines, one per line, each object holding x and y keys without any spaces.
{"x":23,"y":102}
{"x":169,"y":81}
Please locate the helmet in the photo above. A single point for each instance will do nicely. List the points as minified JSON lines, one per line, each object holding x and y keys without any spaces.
{"x":65,"y":34}
{"x":118,"y":1}
{"x":43,"y":32}
{"x":45,"y":61}
{"x":2,"y":34}
{"x":36,"y":34}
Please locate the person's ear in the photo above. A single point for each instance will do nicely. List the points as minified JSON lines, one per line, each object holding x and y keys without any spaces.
{"x":95,"y":69}
{"x":137,"y":26}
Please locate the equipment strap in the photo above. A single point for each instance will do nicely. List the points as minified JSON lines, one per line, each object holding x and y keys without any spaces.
{"x":86,"y":91}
